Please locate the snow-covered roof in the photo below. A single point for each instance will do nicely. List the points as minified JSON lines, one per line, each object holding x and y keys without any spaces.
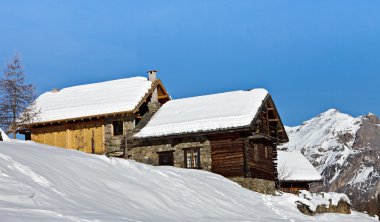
{"x":293,"y":166}
{"x":120,"y":95}
{"x":205,"y":113}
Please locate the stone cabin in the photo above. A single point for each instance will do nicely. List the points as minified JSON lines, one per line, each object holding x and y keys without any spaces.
{"x":233,"y":134}
{"x":96,"y":118}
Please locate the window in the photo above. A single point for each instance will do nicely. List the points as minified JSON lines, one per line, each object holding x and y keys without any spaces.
{"x":165,"y":158}
{"x":192,"y":158}
{"x":117,"y":128}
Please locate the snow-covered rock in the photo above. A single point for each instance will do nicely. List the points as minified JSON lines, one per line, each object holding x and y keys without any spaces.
{"x":44,"y":183}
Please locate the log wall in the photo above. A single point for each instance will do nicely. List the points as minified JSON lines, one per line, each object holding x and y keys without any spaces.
{"x":261,"y":156}
{"x":227,"y":154}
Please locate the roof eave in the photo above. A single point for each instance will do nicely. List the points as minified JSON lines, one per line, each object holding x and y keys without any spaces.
{"x":185,"y":134}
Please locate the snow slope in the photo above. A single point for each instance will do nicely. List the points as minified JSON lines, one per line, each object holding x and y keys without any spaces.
{"x":43,"y":183}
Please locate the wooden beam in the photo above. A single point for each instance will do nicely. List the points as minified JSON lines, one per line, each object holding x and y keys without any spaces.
{"x":163,"y":97}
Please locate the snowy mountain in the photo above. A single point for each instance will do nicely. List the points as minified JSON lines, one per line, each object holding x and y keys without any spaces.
{"x":44,"y":183}
{"x":346,"y":151}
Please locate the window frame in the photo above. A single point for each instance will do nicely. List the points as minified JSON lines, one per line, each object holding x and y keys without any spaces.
{"x":114,"y":128}
{"x":195,"y":163}
{"x":170,"y":153}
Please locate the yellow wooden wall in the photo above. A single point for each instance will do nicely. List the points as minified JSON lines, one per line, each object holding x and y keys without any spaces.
{"x":79,"y":136}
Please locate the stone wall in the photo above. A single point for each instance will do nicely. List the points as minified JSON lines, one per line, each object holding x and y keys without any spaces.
{"x":341,"y":208}
{"x":257,"y":185}
{"x":117,"y":143}
{"x":146,"y":151}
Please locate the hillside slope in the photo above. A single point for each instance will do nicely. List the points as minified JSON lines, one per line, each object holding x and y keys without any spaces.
{"x":346,"y":151}
{"x":43,"y":183}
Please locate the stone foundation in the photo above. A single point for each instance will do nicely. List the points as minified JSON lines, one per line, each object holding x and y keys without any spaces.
{"x":257,"y":185}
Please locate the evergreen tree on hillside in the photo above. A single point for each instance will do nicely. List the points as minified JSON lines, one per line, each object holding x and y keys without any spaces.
{"x":17,"y":98}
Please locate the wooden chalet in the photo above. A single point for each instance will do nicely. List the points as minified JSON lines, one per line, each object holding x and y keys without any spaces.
{"x":233,"y":134}
{"x":295,"y":172}
{"x":96,"y":118}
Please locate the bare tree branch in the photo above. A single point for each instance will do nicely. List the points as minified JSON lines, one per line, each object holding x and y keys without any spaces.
{"x":17,"y":107}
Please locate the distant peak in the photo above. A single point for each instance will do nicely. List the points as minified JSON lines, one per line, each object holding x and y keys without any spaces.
{"x":331,"y":111}
{"x":371,"y":117}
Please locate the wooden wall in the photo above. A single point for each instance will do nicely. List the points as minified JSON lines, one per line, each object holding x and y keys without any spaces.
{"x":84,"y":136}
{"x":261,"y":160}
{"x":227,"y":155}
{"x":294,"y":187}
{"x":234,"y":155}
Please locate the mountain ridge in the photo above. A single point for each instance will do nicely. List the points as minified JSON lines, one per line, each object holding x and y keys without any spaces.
{"x":346,"y":151}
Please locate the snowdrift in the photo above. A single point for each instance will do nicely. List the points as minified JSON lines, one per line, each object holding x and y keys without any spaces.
{"x":44,"y":183}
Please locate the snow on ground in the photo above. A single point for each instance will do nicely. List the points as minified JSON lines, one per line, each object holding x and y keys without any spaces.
{"x":43,"y":183}
{"x":205,"y":113}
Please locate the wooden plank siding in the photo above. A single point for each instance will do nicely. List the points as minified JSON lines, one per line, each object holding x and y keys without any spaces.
{"x":227,"y":154}
{"x":294,"y":187}
{"x":84,"y":136}
{"x":235,"y":156}
{"x":261,"y":157}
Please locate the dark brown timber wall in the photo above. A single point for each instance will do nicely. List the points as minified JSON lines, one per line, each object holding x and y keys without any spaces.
{"x":261,"y":160}
{"x":227,"y":154}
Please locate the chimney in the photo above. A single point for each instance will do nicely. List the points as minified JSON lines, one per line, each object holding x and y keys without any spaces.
{"x":152,"y":76}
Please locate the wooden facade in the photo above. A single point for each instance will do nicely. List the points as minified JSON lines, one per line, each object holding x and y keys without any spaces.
{"x":95,"y":134}
{"x":295,"y":186}
{"x":86,"y":136}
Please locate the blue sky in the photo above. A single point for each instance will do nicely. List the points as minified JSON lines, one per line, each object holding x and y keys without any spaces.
{"x":310,"y":55}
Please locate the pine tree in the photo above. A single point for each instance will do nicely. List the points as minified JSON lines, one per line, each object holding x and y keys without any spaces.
{"x":17,"y":102}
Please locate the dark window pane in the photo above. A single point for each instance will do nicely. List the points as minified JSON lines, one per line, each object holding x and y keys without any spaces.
{"x":165,"y":158}
{"x":117,"y":128}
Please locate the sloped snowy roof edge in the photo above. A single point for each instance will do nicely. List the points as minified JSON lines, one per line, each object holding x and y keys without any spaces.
{"x":140,"y":89}
{"x":294,"y":167}
{"x":205,"y":114}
